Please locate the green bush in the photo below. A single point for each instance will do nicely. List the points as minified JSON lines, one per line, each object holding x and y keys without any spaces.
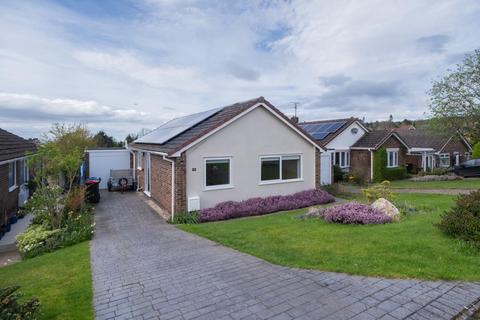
{"x":463,"y":220}
{"x":379,"y":164}
{"x":47,"y":207}
{"x":11,"y":309}
{"x":337,"y":174}
{"x":37,"y":239}
{"x":379,"y":190}
{"x":186,"y":218}
{"x":476,"y":151}
{"x":394,"y":173}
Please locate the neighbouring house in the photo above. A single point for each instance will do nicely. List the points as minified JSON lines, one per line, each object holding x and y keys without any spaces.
{"x":14,"y":173}
{"x":337,"y":137}
{"x":389,"y":148}
{"x":245,"y":150}
{"x":428,"y":150}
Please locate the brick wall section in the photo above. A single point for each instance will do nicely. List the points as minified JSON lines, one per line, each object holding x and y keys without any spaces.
{"x":181,"y":183}
{"x":161,"y":181}
{"x":455,"y":145}
{"x":415,"y":160}
{"x":317,"y":169}
{"x":360,"y":163}
{"x":8,"y":200}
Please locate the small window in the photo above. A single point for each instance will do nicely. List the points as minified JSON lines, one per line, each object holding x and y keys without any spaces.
{"x":270,"y":168}
{"x":444,"y":160}
{"x":139,"y":159}
{"x":217,"y":173}
{"x":23,"y":172}
{"x":12,"y":176}
{"x":392,"y":158}
{"x":280,"y":168}
{"x":342,"y":159}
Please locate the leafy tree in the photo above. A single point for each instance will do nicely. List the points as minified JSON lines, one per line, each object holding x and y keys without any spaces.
{"x":103,"y":140}
{"x":131,"y":137}
{"x":61,"y":153}
{"x":455,"y":99}
{"x":476,"y":151}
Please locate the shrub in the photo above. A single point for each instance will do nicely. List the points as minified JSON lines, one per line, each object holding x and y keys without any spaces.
{"x":379,"y":190}
{"x":337,"y":174}
{"x":76,"y":199}
{"x":439,"y":171}
{"x":355,"y":213}
{"x":185,"y":218}
{"x":47,"y":206}
{"x":11,"y":309}
{"x":476,"y":151}
{"x":37,"y":239}
{"x":463,"y":220}
{"x":379,"y":164}
{"x":394,"y":173}
{"x":259,"y":206}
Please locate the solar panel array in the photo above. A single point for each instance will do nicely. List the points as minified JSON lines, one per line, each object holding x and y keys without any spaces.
{"x":176,"y":126}
{"x":320,"y":130}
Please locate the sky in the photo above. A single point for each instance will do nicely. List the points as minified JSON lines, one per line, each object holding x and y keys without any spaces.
{"x":120,"y":66}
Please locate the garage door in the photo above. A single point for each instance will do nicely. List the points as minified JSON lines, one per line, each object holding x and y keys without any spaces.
{"x":102,"y":161}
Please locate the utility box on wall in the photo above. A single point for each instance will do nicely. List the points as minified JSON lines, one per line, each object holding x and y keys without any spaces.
{"x":193,"y":204}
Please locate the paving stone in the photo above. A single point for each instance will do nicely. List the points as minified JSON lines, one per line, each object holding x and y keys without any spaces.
{"x":144,"y":268}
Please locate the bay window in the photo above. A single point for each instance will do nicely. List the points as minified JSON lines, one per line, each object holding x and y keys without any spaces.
{"x":280,"y":168}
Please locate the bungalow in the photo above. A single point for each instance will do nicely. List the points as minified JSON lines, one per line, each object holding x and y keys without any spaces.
{"x":337,"y":136}
{"x":248,"y":149}
{"x":14,"y":173}
{"x":428,"y":150}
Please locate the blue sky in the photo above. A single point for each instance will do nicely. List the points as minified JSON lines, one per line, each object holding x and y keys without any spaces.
{"x":125,"y":65}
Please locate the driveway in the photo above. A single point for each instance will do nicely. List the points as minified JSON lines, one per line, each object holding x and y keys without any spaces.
{"x":144,"y":268}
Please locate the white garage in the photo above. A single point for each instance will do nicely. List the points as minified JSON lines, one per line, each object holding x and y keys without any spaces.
{"x":101,"y":161}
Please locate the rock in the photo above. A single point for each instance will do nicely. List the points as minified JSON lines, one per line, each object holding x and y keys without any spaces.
{"x":387,"y":207}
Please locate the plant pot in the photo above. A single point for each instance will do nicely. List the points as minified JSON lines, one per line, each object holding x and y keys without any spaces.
{"x":13,"y":219}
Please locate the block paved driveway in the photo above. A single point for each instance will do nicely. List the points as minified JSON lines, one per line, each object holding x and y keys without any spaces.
{"x":144,"y":268}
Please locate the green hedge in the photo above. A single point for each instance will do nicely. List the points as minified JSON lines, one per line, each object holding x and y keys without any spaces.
{"x":380,"y":170}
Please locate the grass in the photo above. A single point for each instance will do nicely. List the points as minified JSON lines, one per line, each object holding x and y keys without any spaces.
{"x":413,"y":248}
{"x":61,"y":280}
{"x":469,"y":183}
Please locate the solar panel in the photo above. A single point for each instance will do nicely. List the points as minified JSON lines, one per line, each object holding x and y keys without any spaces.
{"x":176,"y":126}
{"x":320,"y":130}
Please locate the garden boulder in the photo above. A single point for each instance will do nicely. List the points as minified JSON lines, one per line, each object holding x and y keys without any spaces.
{"x":387,"y":207}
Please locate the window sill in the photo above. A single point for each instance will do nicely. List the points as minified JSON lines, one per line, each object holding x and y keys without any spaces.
{"x":222,"y":187}
{"x":262,"y":183}
{"x":12,"y":188}
{"x":392,"y":167}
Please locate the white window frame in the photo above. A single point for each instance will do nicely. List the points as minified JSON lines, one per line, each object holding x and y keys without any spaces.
{"x":346,"y":155}
{"x":220,"y":186}
{"x":395,"y":158}
{"x":444,"y":156}
{"x":14,"y":186}
{"x":281,"y":180}
{"x":139,"y":159}
{"x":25,"y":172}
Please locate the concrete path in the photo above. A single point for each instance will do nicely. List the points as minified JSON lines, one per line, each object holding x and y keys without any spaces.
{"x":144,"y":268}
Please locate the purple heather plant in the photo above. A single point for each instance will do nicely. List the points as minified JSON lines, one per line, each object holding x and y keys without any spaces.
{"x":259,"y":206}
{"x":355,"y":213}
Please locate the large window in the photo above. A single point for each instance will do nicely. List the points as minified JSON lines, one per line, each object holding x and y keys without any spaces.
{"x":444,"y":160}
{"x":341,"y":159}
{"x":217,"y":173}
{"x":280,"y":168}
{"x":392,"y":158}
{"x":12,"y":176}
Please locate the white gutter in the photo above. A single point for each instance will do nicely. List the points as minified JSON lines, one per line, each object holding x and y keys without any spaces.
{"x":371,"y":165}
{"x":164,"y":155}
{"x":13,"y":160}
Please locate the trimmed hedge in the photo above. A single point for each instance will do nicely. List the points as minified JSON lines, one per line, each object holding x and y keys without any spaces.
{"x":395,"y":173}
{"x":260,"y":206}
{"x":380,"y":170}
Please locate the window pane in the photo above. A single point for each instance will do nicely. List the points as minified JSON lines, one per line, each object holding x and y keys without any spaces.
{"x":337,"y":158}
{"x":342,"y":162}
{"x":217,"y":172}
{"x":22,"y":172}
{"x":290,"y":168}
{"x":11,"y":174}
{"x":270,"y":169}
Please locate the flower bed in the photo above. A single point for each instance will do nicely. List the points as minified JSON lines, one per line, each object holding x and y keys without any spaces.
{"x":355,"y":213}
{"x":259,"y":206}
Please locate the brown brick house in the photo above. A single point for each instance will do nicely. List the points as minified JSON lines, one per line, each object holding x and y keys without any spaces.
{"x":362,"y":152}
{"x":428,"y":150}
{"x":14,"y":173}
{"x":245,"y":150}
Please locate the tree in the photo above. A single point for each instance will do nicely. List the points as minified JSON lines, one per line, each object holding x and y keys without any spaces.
{"x":61,"y":153}
{"x":103,"y":140}
{"x":455,"y":99}
{"x":131,"y":137}
{"x":476,"y":151}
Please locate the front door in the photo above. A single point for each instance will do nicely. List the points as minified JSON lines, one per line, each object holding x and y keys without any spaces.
{"x":147,"y":174}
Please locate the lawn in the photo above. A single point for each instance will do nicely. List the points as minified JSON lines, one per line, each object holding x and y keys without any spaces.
{"x":61,"y":280}
{"x":469,"y":183}
{"x":413,"y":248}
